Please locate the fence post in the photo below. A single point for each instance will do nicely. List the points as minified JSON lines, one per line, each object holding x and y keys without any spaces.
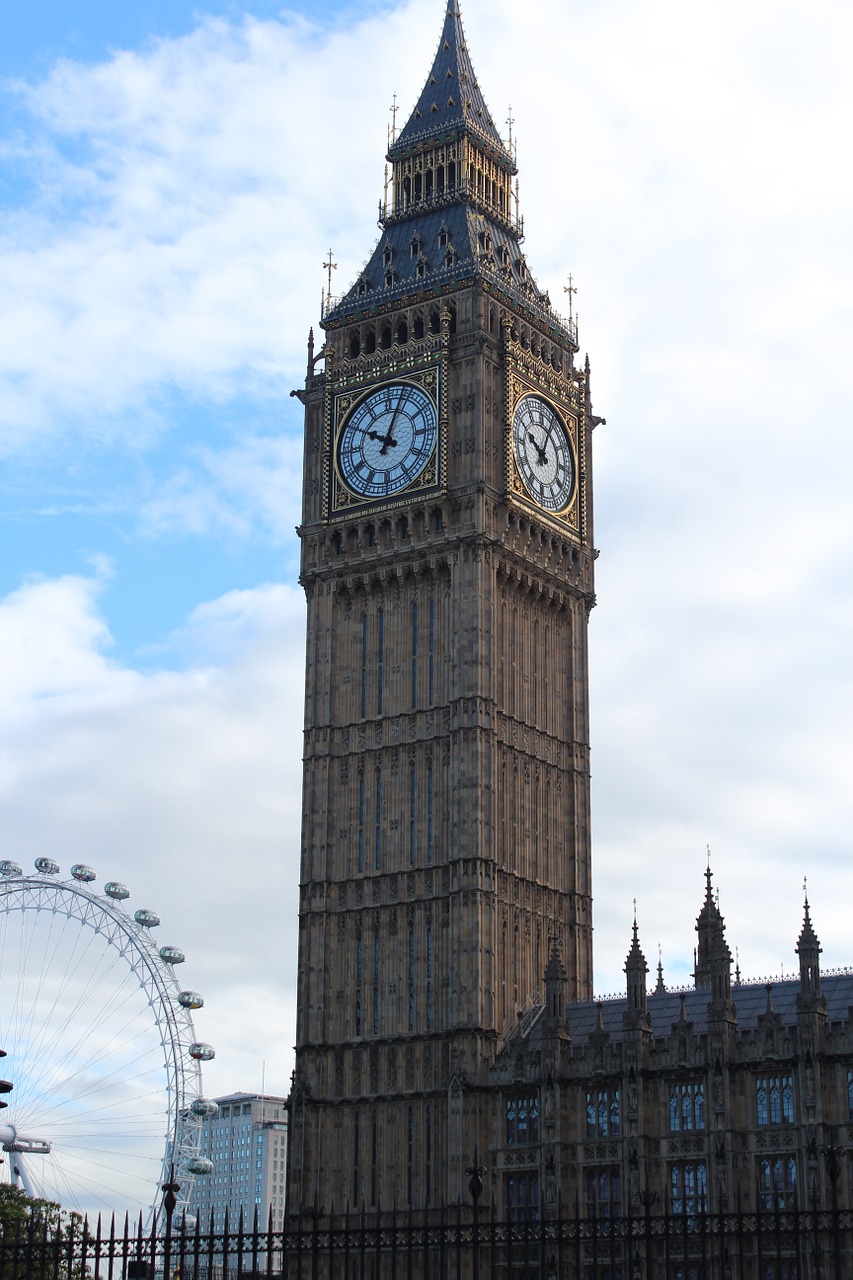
{"x":475,"y":1186}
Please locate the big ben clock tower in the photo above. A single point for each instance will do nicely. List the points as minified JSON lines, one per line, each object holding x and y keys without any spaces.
{"x":447,"y":558}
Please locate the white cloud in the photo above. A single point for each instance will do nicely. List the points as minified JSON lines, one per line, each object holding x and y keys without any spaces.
{"x":183,"y":783}
{"x":251,"y":488}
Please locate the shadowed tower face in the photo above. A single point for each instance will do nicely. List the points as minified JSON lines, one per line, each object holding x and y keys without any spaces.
{"x":447,"y":559}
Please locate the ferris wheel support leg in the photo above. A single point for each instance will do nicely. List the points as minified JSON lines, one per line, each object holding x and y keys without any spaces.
{"x":20,"y":1176}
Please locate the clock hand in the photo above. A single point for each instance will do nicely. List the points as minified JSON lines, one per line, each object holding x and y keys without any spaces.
{"x":543,"y":456}
{"x":387,"y":440}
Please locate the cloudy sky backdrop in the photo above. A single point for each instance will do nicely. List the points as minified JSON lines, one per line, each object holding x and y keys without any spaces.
{"x":171,"y":180}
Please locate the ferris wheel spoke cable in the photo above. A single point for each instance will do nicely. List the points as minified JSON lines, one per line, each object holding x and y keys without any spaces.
{"x":90,"y":986}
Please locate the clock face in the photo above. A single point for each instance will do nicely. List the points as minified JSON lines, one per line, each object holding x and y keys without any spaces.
{"x":387,"y":440}
{"x":543,"y":453}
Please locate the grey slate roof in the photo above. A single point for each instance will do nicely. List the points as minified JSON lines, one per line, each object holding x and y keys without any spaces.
{"x":749,"y":998}
{"x":451,"y":100}
{"x":462,"y":224}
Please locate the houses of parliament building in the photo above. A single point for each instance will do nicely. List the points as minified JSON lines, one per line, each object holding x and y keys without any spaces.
{"x":446,"y":1018}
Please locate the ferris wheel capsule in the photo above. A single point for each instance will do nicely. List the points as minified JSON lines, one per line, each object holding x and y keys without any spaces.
{"x":204,"y":1107}
{"x":118,"y":892}
{"x":200,"y":1164}
{"x":148,"y":919}
{"x":81,"y":872}
{"x":9,"y":869}
{"x":190,"y":999}
{"x":172,"y":955}
{"x":202,"y":1052}
{"x":47,"y":866}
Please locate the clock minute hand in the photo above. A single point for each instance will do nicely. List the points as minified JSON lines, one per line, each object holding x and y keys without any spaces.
{"x":543,"y":456}
{"x":387,"y":440}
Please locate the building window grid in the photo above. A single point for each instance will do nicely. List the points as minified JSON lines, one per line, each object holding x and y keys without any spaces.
{"x":604,"y":1192}
{"x":688,"y":1183}
{"x":777,"y":1182}
{"x":522,"y":1120}
{"x":686,"y":1106}
{"x":774,"y":1100}
{"x":603,"y":1116}
{"x":522,"y":1196}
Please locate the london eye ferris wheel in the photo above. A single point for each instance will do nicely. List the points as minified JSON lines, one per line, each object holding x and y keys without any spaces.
{"x":107,"y":1102}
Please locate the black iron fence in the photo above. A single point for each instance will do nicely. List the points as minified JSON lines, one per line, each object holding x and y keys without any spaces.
{"x":776,"y":1245}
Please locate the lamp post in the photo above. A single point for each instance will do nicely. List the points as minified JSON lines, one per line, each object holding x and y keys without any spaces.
{"x":170,"y":1199}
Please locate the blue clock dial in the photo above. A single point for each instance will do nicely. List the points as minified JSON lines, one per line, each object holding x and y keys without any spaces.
{"x":387,"y":441}
{"x":543,"y":453}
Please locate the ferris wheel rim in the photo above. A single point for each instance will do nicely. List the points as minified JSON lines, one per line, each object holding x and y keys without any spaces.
{"x":76,"y":899}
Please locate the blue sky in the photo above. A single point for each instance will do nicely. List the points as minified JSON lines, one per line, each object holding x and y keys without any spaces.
{"x":172,"y":179}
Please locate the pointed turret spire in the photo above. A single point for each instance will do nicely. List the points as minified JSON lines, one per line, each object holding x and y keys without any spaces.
{"x":808,"y":950}
{"x":636,"y":1014}
{"x":556,"y":988}
{"x":451,"y":102}
{"x":713,"y":957}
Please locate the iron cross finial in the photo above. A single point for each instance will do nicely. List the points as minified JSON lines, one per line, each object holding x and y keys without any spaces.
{"x":510,"y":121}
{"x":393,"y":110}
{"x":570,"y":289}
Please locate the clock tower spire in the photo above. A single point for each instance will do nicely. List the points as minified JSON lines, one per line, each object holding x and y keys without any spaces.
{"x":447,"y":560}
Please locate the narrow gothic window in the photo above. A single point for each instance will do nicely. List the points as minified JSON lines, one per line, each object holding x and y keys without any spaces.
{"x":411,"y":978}
{"x":522,"y":1120}
{"x":688,"y":1186}
{"x":604,"y":1193}
{"x":359,"y":959}
{"x":387,"y":257}
{"x":774,"y":1100}
{"x":686,"y":1106}
{"x":429,"y":814}
{"x":363,"y":665}
{"x":414,"y":654}
{"x":429,"y":977}
{"x":428,"y":1154}
{"x":380,"y":662}
{"x":356,"y":1156}
{"x":410,"y":1156}
{"x":361,"y":824}
{"x":412,"y":818}
{"x":376,"y":985}
{"x":378,"y":819}
{"x":777,"y":1182}
{"x":431,"y":652}
{"x":602,"y":1113}
{"x":521,"y":1192}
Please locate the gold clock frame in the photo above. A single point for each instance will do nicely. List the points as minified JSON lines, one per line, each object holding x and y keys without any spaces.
{"x":340,"y":499}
